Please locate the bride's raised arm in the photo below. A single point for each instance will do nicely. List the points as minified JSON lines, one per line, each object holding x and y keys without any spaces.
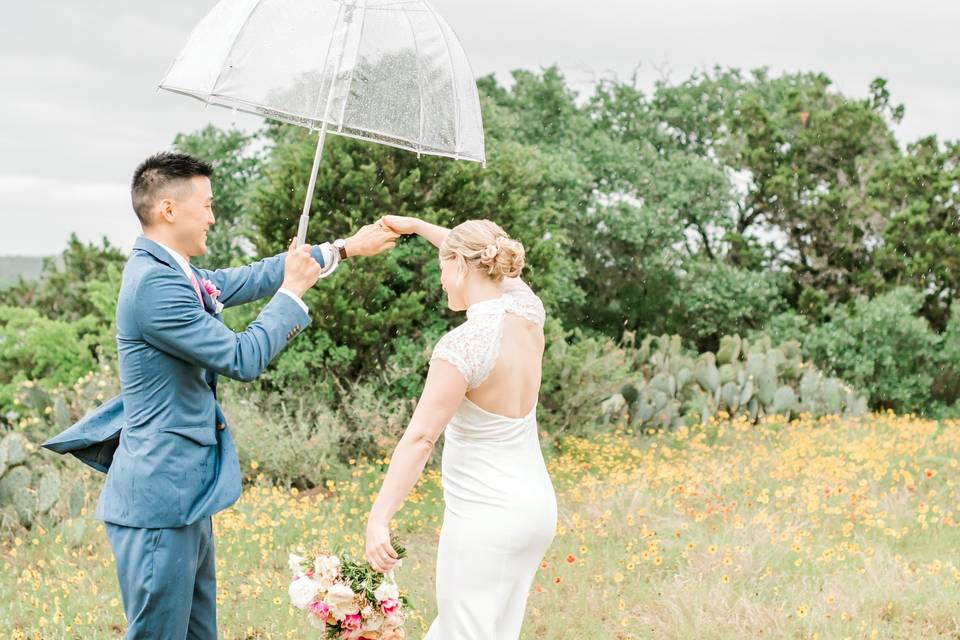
{"x":442,"y":394}
{"x":434,"y":234}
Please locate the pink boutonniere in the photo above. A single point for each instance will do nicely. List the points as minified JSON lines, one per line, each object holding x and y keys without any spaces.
{"x":214,"y":294}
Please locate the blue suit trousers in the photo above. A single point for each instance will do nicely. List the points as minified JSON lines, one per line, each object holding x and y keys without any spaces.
{"x":168,"y":580}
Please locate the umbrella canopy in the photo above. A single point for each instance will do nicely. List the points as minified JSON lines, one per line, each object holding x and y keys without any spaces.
{"x":390,"y":71}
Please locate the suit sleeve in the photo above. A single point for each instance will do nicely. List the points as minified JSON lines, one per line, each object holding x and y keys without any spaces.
{"x":240,"y":285}
{"x":172,"y":320}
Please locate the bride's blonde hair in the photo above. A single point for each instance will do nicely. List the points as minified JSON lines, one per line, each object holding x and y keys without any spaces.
{"x":484,"y":246}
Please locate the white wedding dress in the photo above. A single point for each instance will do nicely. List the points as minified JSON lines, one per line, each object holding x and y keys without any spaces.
{"x":500,"y":509}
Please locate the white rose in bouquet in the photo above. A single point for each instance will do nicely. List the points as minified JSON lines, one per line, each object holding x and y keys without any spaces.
{"x":342,"y":601}
{"x":387,"y":591}
{"x":302,"y":592}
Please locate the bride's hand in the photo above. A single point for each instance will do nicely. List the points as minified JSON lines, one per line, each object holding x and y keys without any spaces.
{"x":403,"y":225}
{"x":379,"y":551}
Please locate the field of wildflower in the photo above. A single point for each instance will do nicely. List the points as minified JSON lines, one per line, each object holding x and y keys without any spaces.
{"x":824,"y":528}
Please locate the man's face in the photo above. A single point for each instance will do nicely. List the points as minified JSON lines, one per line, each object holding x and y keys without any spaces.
{"x":192,"y":209}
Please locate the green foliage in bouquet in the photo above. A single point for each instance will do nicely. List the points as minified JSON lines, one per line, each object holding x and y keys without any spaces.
{"x":361,"y":577}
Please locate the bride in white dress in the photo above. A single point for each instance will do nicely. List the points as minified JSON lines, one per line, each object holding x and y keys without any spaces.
{"x":482,"y":386}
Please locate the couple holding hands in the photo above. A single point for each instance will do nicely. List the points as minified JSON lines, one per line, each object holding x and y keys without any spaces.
{"x":170,"y":460}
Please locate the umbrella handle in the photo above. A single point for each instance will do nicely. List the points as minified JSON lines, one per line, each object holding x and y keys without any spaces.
{"x":302,"y":229}
{"x":305,"y":217}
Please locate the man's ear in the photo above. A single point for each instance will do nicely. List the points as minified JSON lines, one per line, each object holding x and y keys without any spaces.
{"x":165,"y":210}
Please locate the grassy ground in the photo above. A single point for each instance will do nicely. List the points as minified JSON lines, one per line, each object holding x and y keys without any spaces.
{"x":813,"y":529}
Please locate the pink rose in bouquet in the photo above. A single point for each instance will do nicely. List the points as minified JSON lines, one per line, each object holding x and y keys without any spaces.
{"x":320,"y":609}
{"x":390,"y":607}
{"x":352,"y":622}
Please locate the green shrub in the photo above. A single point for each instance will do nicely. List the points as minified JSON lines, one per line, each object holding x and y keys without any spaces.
{"x":717,"y":299}
{"x":40,"y":413}
{"x":293,"y":441}
{"x":63,"y":290}
{"x":788,"y":325}
{"x":881,"y":346}
{"x":33,"y":347}
{"x":946,"y":387}
{"x":298,"y":439}
{"x":578,"y":371}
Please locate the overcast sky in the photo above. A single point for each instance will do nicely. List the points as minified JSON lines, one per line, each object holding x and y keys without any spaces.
{"x":79,"y":107}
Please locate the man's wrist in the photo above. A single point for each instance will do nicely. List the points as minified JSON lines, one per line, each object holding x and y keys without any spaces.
{"x":287,"y":288}
{"x":349,"y":247}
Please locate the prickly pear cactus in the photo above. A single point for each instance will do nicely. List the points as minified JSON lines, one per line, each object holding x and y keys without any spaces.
{"x":31,"y":487}
{"x":742,"y":378}
{"x":16,"y":447}
{"x":47,"y":482}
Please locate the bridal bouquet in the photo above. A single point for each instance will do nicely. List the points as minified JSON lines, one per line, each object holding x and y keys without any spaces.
{"x":347,"y":598}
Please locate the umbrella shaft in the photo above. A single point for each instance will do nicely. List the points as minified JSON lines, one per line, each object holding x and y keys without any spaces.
{"x":305,"y":217}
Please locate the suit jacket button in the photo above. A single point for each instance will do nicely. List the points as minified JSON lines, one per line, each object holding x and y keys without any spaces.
{"x":221,"y":426}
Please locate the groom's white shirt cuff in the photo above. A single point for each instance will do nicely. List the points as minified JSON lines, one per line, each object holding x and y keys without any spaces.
{"x":331,"y":260}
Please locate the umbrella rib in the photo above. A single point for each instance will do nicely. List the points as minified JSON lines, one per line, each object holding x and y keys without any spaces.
{"x":326,"y":62}
{"x":356,"y":61}
{"x":416,"y":47}
{"x":453,"y":86}
{"x":233,"y":44}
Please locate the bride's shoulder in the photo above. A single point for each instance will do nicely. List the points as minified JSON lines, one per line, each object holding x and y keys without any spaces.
{"x":464,"y":327}
{"x":458,"y":337}
{"x":523,"y":301}
{"x":463,"y":346}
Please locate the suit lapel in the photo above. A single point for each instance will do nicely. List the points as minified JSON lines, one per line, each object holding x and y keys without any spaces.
{"x":208,"y":305}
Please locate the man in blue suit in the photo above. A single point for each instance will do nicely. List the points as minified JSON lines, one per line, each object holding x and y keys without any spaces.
{"x":164,"y":442}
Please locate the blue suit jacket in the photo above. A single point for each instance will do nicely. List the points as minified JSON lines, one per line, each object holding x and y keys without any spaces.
{"x":163,"y":441}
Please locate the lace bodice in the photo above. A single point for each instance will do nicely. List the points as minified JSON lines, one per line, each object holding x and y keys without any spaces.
{"x":474,"y":346}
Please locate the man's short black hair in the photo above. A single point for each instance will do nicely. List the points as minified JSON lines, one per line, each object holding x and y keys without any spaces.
{"x":157,"y":172}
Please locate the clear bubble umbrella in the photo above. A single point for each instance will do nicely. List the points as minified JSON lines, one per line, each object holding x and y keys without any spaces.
{"x":389,"y":71}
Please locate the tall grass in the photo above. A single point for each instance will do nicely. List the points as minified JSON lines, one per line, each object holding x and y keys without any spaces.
{"x":810,"y":529}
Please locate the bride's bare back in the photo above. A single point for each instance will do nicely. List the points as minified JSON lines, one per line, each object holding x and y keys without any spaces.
{"x":499,"y":350}
{"x":514,"y":384}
